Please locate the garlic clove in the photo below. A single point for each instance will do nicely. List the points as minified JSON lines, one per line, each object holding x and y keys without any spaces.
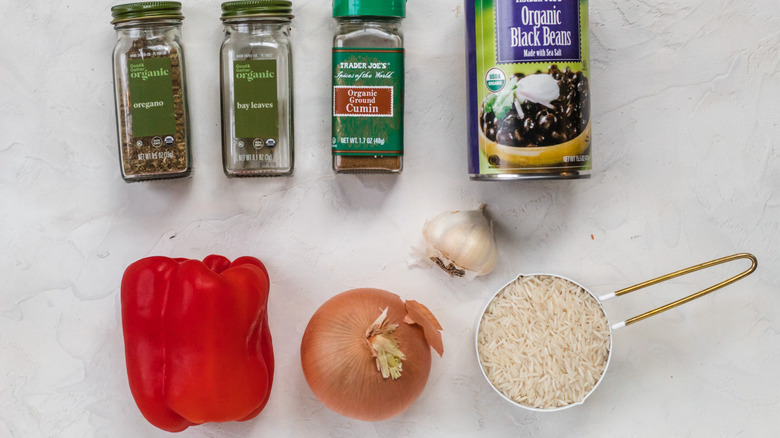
{"x":461,"y":243}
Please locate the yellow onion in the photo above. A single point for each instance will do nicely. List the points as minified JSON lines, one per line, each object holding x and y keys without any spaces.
{"x":366,"y":353}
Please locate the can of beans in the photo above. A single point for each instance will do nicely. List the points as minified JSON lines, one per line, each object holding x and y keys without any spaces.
{"x":528,"y":92}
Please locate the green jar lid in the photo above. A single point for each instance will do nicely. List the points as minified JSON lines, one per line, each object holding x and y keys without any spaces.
{"x":257,"y":8}
{"x":376,"y":8}
{"x":142,"y":10}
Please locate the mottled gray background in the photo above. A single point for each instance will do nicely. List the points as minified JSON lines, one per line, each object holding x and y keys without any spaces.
{"x":685,"y":123}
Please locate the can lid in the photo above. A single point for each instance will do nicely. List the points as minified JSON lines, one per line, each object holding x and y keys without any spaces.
{"x":257,"y":8}
{"x":142,"y":10}
{"x":377,"y":8}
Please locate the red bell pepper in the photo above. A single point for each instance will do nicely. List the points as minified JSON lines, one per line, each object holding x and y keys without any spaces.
{"x":197,"y":344}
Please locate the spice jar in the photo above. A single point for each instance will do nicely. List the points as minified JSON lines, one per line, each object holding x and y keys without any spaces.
{"x":151,"y":99}
{"x":368,"y":86}
{"x":256,"y":76}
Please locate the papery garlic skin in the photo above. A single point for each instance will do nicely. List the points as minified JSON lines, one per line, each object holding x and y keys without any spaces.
{"x":461,"y":243}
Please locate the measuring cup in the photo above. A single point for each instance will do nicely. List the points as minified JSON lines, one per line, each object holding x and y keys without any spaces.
{"x":621,"y":324}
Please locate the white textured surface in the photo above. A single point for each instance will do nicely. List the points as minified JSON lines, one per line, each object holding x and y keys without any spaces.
{"x":686,"y":103}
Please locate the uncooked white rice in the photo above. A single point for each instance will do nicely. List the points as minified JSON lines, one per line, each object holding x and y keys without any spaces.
{"x":544,"y":342}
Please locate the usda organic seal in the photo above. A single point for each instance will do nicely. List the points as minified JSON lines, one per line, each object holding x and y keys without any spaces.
{"x":495,"y":79}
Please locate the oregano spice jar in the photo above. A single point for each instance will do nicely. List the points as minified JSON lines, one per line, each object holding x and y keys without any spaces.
{"x":151,"y":99}
{"x":368,"y":86}
{"x":257,"y":100}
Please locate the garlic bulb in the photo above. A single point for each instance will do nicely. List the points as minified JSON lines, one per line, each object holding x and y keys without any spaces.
{"x":461,"y":243}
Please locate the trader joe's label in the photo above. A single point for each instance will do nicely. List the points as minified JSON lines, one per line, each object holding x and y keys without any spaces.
{"x":368,"y":94}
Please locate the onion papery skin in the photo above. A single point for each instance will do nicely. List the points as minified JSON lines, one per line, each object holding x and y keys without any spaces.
{"x":338,"y":364}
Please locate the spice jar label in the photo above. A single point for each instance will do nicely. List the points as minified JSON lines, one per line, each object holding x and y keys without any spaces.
{"x":256,"y":101}
{"x":368,"y":93}
{"x":151,"y":97}
{"x":362,"y":101}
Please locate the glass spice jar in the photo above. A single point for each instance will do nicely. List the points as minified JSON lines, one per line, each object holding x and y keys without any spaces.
{"x":151,"y":98}
{"x":257,"y":92}
{"x":368,"y":86}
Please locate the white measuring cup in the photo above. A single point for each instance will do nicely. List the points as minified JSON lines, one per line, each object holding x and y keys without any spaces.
{"x":621,"y":324}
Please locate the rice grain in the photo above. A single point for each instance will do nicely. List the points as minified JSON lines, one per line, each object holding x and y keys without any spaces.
{"x":544,"y":342}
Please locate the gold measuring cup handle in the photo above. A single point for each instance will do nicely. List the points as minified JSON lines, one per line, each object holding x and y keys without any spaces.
{"x":753,"y":265}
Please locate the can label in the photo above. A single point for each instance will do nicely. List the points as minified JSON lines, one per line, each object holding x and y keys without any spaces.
{"x":529,"y":96}
{"x":538,"y":31}
{"x":368,"y":93}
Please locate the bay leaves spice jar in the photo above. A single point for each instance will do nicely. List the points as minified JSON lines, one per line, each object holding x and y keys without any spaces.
{"x":151,"y":98}
{"x":368,"y":86}
{"x":256,"y":88}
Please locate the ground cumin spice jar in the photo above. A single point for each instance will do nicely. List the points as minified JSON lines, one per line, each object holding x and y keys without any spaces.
{"x":368,"y":86}
{"x":151,"y":102}
{"x":257,"y":100}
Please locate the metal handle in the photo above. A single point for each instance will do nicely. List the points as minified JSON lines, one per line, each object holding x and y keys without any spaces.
{"x":753,"y":265}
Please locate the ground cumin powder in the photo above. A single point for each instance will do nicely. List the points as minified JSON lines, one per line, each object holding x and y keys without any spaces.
{"x":370,"y":164}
